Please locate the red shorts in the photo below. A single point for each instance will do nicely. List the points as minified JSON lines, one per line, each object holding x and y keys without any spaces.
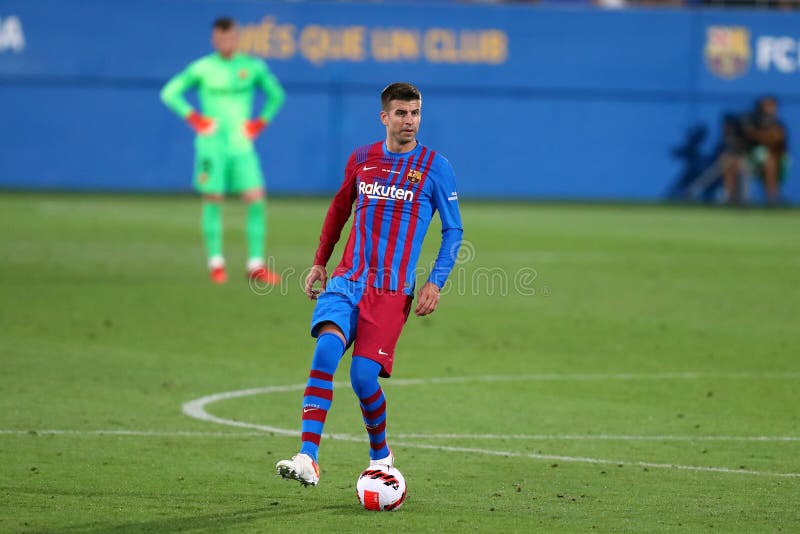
{"x":370,"y":318}
{"x":381,"y":317}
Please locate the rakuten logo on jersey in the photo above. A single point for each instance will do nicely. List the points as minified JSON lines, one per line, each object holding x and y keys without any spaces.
{"x":385,"y":192}
{"x":11,"y":36}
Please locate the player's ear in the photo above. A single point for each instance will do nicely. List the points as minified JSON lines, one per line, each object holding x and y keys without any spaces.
{"x":384,"y":118}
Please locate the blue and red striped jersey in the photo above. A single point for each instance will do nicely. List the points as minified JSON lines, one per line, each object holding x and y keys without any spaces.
{"x":395,"y":197}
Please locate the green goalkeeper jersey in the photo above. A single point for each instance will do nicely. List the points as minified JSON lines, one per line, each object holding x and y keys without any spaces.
{"x":225,"y":88}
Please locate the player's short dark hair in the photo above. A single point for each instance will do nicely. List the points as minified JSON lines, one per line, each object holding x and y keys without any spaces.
{"x":223,"y":24}
{"x":768,"y":98}
{"x":399,"y":91}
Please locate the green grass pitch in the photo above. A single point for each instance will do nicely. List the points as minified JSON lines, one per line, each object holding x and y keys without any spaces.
{"x":591,"y":368}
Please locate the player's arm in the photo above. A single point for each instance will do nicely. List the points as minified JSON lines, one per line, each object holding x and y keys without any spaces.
{"x":771,"y":136}
{"x":275,"y":96}
{"x":338,"y":214}
{"x":445,"y":200}
{"x":172,"y":96}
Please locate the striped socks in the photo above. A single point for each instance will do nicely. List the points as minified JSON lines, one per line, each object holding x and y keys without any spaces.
{"x":318,"y":395}
{"x":364,"y":378}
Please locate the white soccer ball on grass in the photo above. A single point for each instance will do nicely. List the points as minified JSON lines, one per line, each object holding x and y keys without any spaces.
{"x":381,"y":489}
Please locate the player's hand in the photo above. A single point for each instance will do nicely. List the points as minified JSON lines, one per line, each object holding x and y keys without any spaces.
{"x":317,"y":274}
{"x":427,"y":299}
{"x":200,"y":124}
{"x":253,"y":128}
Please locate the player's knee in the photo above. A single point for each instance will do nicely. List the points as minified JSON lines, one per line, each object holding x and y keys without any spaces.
{"x":364,"y":376}
{"x":328,"y":353}
{"x":331,"y":328}
{"x":253,"y":195}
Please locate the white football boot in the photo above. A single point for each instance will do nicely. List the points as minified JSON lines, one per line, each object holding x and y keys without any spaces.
{"x":386,"y":462}
{"x":301,"y":468}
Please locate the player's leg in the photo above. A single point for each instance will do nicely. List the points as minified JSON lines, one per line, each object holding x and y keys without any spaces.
{"x":382,"y":315}
{"x":364,"y":379}
{"x":248,"y":180}
{"x":212,"y":237}
{"x":255,"y":231}
{"x":731,"y":171}
{"x":209,"y":181}
{"x":771,"y":175}
{"x":255,"y":226}
{"x":318,"y":395}
{"x":335,"y":313}
{"x":317,"y":400}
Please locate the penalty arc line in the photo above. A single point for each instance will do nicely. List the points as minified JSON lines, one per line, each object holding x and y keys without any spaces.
{"x":580,"y":459}
{"x":596,"y":437}
{"x":196,"y":409}
{"x":137,"y":433}
{"x":503,"y":437}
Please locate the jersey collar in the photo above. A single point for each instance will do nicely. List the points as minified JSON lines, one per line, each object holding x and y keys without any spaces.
{"x":413,"y":152}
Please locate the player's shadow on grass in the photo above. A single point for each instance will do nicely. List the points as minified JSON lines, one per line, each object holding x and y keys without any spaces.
{"x":212,"y":522}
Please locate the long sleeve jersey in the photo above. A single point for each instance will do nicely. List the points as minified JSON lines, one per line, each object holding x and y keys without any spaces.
{"x":225,"y":88}
{"x":395,"y":197}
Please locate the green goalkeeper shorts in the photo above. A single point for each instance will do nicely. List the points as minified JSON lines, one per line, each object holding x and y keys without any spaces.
{"x":217,"y":172}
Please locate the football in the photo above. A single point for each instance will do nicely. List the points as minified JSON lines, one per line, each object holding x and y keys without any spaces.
{"x":381,"y":489}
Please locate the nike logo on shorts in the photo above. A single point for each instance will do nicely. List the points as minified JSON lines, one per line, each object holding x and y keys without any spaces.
{"x":380,"y":351}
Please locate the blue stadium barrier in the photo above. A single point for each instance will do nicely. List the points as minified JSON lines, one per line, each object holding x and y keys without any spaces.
{"x":526,"y":102}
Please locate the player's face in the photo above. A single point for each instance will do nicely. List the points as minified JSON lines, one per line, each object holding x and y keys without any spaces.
{"x":769,"y":106}
{"x":402,"y":123}
{"x":225,"y":41}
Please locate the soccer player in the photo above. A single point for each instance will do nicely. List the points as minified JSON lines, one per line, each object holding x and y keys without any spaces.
{"x":225,"y":160}
{"x":396,"y":185}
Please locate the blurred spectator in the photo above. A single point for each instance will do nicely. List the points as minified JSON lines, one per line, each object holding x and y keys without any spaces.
{"x":755,"y":145}
{"x":620,"y":4}
{"x":771,"y":4}
{"x":735,"y":148}
{"x":611,"y":4}
{"x":769,"y":157}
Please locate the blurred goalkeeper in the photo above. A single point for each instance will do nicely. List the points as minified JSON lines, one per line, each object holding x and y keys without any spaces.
{"x":225,"y":159}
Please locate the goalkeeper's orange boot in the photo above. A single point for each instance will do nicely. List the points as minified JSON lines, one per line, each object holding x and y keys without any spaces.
{"x":218,"y":275}
{"x":264,"y":275}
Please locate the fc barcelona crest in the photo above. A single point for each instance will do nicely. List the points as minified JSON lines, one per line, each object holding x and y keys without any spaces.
{"x":728,"y":51}
{"x":414,"y":176}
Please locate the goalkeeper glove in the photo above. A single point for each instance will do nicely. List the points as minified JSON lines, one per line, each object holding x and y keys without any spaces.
{"x":254,"y":127}
{"x":201,"y":125}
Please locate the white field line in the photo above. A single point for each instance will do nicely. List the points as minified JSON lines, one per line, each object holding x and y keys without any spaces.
{"x":548,"y":377}
{"x":196,"y":409}
{"x":580,"y":459}
{"x":503,"y":437}
{"x":468,"y":450}
{"x":595,"y":437}
{"x":136,"y":433}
